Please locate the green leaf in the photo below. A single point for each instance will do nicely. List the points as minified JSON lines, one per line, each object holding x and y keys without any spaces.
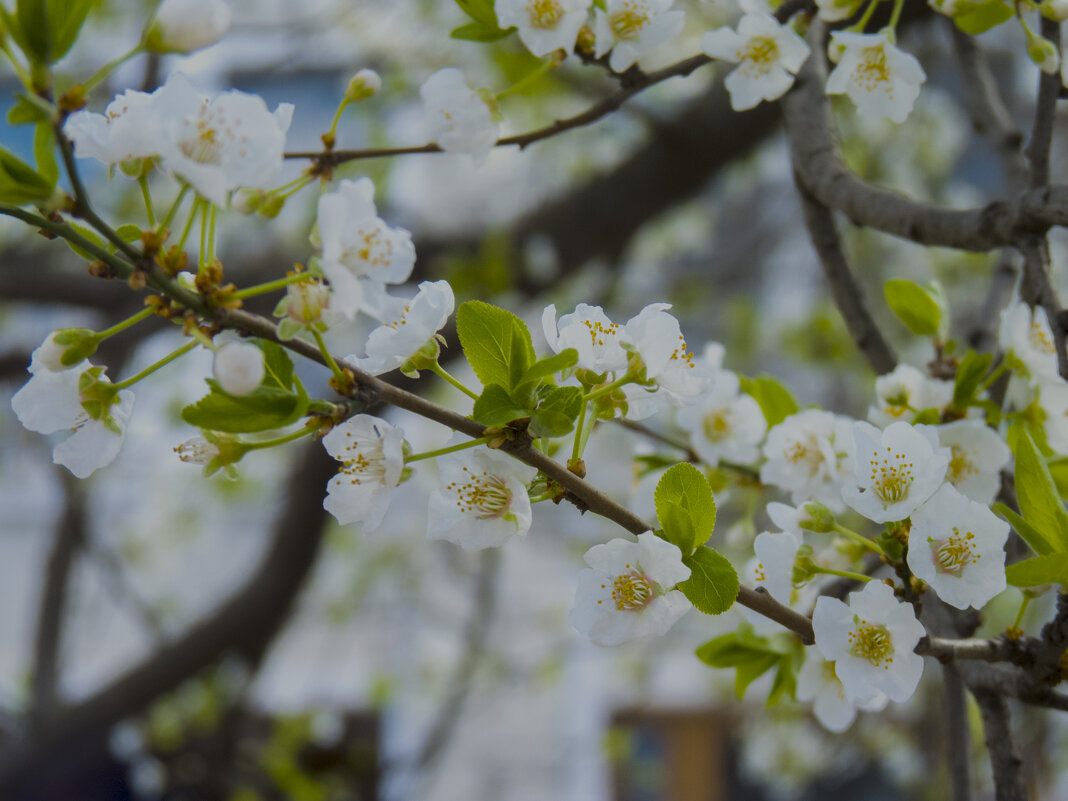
{"x":12,"y":28}
{"x":914,"y":306}
{"x":975,"y":18}
{"x":24,"y":111}
{"x":44,"y":142}
{"x":774,"y":399}
{"x":128,"y":232}
{"x":480,"y":32}
{"x":65,"y":19}
{"x":550,"y":365}
{"x":1040,"y":504}
{"x":753,"y":656}
{"x":489,"y":335}
{"x":785,"y":683}
{"x":685,"y":507}
{"x":19,"y":183}
{"x":277,"y":363}
{"x":479,"y":10}
{"x":556,"y":414}
{"x":1028,"y":532}
{"x":1049,"y":569}
{"x":1058,"y":468}
{"x":89,"y":234}
{"x":973,"y":368}
{"x":33,"y":20}
{"x":713,"y":584}
{"x":495,"y":407}
{"x":265,"y":409}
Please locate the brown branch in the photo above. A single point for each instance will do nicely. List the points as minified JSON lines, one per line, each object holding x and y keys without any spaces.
{"x":1049,"y":88}
{"x":845,"y":289}
{"x":957,"y":737}
{"x":818,"y":163}
{"x":243,"y":626}
{"x":1005,"y":762}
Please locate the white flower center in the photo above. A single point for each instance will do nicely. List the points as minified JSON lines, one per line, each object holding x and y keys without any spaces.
{"x":960,"y":465}
{"x":872,"y":71}
{"x":892,"y":476}
{"x":872,"y":641}
{"x":1040,"y":340}
{"x":367,"y":463}
{"x":371,"y":250}
{"x":632,"y":591}
{"x":716,"y":425}
{"x":545,"y":14}
{"x":402,"y":319}
{"x":954,"y":553}
{"x":485,"y":495}
{"x":805,"y":452}
{"x":627,"y":23}
{"x":758,"y":55}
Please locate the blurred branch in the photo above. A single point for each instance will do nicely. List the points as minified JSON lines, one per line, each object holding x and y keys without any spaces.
{"x":69,"y":538}
{"x":245,"y":625}
{"x":957,"y":737}
{"x":1049,"y":88}
{"x":845,"y":290}
{"x":1008,"y":783}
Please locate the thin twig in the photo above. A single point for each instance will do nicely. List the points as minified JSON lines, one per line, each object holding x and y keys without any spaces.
{"x":1005,"y":762}
{"x":1049,"y":87}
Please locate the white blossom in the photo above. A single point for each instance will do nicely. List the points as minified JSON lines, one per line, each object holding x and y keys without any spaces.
{"x":631,"y":28}
{"x":53,"y":401}
{"x":238,"y":367}
{"x":819,"y":683}
{"x":776,"y":553}
{"x":882,"y":80}
{"x":371,"y":452}
{"x":958,"y":547}
{"x":483,"y":499}
{"x":219,"y":144}
{"x":836,"y":10}
{"x":544,"y":25}
{"x":456,"y":117}
{"x":768,"y":56}
{"x":361,"y":254}
{"x":977,"y":457}
{"x":724,"y":424}
{"x":871,"y":641}
{"x":895,"y":470}
{"x":588,"y":330}
{"x":628,"y":592}
{"x":1025,"y":333}
{"x":655,"y":336}
{"x":410,"y":325}
{"x":182,"y":26}
{"x":809,"y":453}
{"x":902,"y":393}
{"x":128,"y":129}
{"x":1053,"y":400}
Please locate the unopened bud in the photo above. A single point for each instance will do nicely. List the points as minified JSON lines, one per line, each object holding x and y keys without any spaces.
{"x":182,"y":26}
{"x":816,"y":517}
{"x":1044,"y":53}
{"x":364,"y":84}
{"x":306,"y":301}
{"x":239,"y":368}
{"x":249,"y":201}
{"x":66,"y":348}
{"x":1056,"y":10}
{"x":272,"y":206}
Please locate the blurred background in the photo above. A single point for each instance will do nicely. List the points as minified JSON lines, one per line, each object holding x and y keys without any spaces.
{"x":169,"y":636}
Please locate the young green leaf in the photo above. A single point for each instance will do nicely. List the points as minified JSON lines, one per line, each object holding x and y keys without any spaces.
{"x":278,"y":365}
{"x":265,"y":409}
{"x":914,"y":306}
{"x":973,"y":368}
{"x":65,"y":19}
{"x":1049,"y":569}
{"x":19,"y":183}
{"x":548,"y":366}
{"x":1027,"y":532}
{"x":1040,"y":503}
{"x":89,"y":234}
{"x":496,"y":343}
{"x":495,"y":407}
{"x":556,"y":414}
{"x":713,"y":584}
{"x":980,"y":17}
{"x":774,"y":399}
{"x":685,"y":507}
{"x":479,"y":32}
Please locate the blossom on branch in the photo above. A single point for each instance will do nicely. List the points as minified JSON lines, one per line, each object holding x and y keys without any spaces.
{"x":724,"y":424}
{"x":588,"y":330}
{"x":127,"y":130}
{"x":818,"y":682}
{"x":483,"y":499}
{"x":656,"y":338}
{"x":902,"y":393}
{"x":631,"y":28}
{"x":544,"y":25}
{"x":409,"y":327}
{"x":628,"y":592}
{"x":1025,"y":334}
{"x":809,"y":453}
{"x":456,"y":116}
{"x":768,"y":56}
{"x":977,"y":457}
{"x":881,"y":79}
{"x":871,"y":641}
{"x":182,"y":26}
{"x":371,"y":452}
{"x":958,"y":547}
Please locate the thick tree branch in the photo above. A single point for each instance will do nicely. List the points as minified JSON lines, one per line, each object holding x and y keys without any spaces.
{"x":957,"y":737}
{"x":1049,"y":88}
{"x":1008,"y":783}
{"x":845,"y":290}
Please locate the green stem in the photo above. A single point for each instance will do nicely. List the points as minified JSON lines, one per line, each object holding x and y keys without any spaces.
{"x":189,"y":223}
{"x":170,"y":357}
{"x":895,"y":15}
{"x":143,"y":182}
{"x":528,"y":79}
{"x":107,"y":69}
{"x":174,"y":207}
{"x":576,"y":447}
{"x":211,"y":232}
{"x":545,"y":496}
{"x":860,"y":538}
{"x":862,"y":23}
{"x":995,"y":374}
{"x":270,"y":443}
{"x":287,"y":191}
{"x":338,"y":374}
{"x":843,"y":573}
{"x":441,"y":371}
{"x":619,"y":382}
{"x":1023,"y":609}
{"x":124,"y":324}
{"x":451,"y":449}
{"x":337,"y":117}
{"x":272,"y":286}
{"x":202,"y":262}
